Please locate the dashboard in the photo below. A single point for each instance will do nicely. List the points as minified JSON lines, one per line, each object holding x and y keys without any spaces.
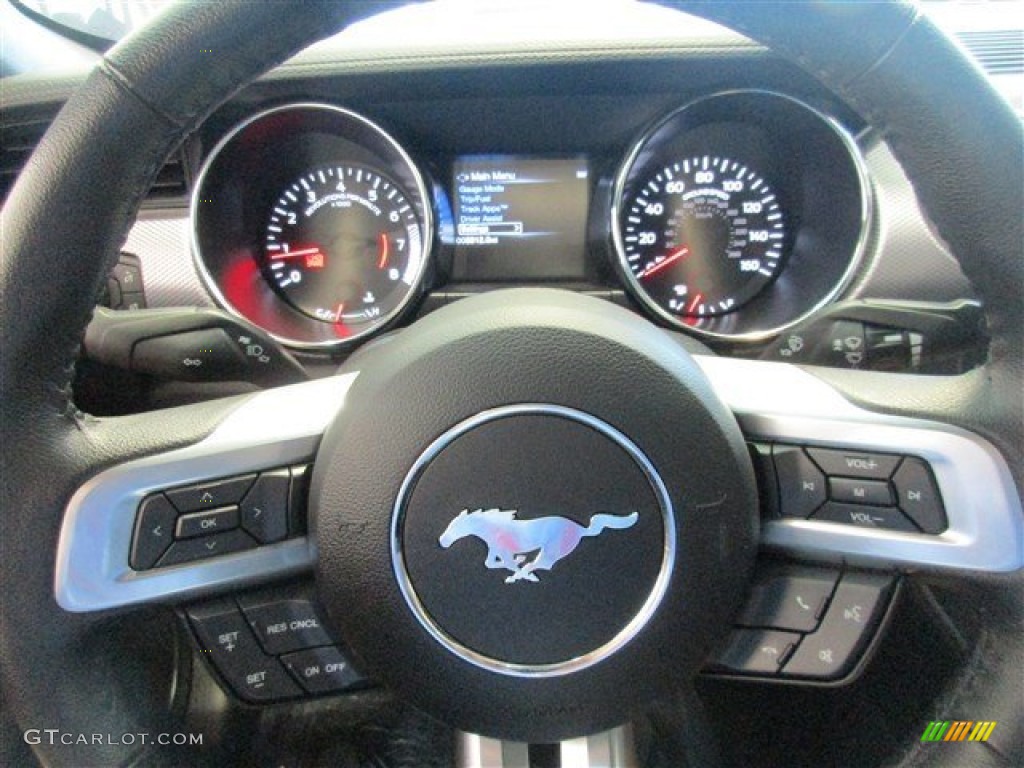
{"x":734,"y":216}
{"x":707,"y":185}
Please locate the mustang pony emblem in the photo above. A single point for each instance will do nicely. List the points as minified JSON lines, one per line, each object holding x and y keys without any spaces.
{"x":525,"y":546}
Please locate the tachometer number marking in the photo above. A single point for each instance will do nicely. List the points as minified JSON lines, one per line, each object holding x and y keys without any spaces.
{"x":342,"y":245}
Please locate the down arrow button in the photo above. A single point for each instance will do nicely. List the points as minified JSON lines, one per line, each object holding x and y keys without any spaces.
{"x":265,"y":508}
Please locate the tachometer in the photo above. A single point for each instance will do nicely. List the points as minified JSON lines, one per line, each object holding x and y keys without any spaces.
{"x":313,"y":223}
{"x":343,"y":245}
{"x":702,"y":236}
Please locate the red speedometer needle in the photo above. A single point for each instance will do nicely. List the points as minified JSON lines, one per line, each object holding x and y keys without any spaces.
{"x":675,"y":255}
{"x":696,"y":300}
{"x":382,"y":242}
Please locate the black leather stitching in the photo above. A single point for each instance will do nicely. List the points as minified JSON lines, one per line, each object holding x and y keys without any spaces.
{"x":121,"y":80}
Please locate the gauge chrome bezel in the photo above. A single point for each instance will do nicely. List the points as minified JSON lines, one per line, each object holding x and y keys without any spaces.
{"x":420,"y":196}
{"x":859,"y":251}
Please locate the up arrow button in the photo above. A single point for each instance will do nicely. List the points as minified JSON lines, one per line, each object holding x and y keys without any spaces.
{"x":219,"y":493}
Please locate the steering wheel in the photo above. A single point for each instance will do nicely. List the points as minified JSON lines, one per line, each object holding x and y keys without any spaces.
{"x":528,"y":367}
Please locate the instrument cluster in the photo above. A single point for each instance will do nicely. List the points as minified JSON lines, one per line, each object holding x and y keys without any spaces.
{"x":732,"y":217}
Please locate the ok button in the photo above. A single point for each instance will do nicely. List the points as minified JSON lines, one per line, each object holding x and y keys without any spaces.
{"x":207,"y":521}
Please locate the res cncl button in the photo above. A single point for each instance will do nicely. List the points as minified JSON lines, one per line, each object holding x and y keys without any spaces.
{"x":283,"y":626}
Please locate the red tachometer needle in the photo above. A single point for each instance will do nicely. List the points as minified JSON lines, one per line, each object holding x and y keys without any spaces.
{"x":295,"y":254}
{"x":696,"y":300}
{"x":314,"y":258}
{"x":675,"y":255}
{"x":382,"y":241}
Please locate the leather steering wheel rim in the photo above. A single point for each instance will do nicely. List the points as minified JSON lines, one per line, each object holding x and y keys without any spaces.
{"x":72,"y":206}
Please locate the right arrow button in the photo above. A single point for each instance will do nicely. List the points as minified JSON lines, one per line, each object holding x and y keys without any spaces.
{"x":265,"y":508}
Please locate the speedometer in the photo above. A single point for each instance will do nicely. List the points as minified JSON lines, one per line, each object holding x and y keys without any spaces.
{"x":702,"y":236}
{"x":343,"y":246}
{"x":739,"y":215}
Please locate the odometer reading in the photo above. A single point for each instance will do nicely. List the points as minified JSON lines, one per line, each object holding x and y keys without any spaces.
{"x":702,"y":236}
{"x":344,"y":246}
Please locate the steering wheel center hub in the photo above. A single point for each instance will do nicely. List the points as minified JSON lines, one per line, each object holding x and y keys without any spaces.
{"x":533,"y":540}
{"x":535,"y":499}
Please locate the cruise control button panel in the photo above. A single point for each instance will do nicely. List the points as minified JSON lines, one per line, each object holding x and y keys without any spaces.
{"x":850,"y":487}
{"x":778,"y":637}
{"x":219,"y":517}
{"x":271,"y":645}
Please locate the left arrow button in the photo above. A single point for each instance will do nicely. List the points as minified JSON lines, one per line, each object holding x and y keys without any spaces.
{"x":154,"y":528}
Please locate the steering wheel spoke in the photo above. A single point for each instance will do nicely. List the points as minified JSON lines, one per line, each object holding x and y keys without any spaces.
{"x":614,"y":748}
{"x":103,"y":560}
{"x":971,"y":522}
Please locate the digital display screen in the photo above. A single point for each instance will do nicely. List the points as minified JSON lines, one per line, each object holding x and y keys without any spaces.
{"x":520,"y":217}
